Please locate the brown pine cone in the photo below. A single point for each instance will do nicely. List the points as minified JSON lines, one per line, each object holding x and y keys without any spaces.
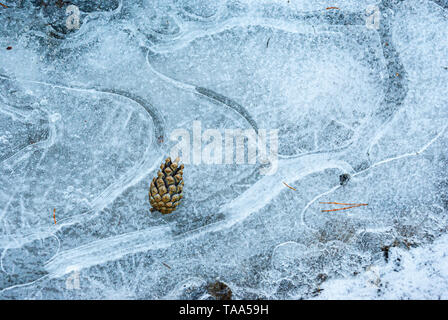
{"x":165,"y":192}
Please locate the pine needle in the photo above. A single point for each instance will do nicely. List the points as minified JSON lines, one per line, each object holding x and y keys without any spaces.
{"x":352,"y":205}
{"x":346,"y":204}
{"x":340,"y":209}
{"x":289,"y":186}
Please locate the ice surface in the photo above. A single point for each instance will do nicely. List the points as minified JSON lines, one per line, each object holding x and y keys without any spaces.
{"x":417,"y":274}
{"x":86,"y":116}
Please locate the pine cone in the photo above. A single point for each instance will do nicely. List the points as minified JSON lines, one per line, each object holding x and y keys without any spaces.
{"x":165,"y":192}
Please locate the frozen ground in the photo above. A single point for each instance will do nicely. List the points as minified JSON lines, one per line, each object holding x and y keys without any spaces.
{"x":82,"y":113}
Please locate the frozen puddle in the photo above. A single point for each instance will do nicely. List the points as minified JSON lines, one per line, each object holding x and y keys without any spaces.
{"x":86,"y":117}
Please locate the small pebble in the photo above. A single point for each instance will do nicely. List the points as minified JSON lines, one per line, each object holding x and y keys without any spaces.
{"x":344,"y":178}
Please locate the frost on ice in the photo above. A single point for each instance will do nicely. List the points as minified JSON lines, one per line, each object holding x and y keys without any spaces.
{"x":86,"y":116}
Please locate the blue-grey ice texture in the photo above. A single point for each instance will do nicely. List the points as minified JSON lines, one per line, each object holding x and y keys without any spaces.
{"x":85,"y":120}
